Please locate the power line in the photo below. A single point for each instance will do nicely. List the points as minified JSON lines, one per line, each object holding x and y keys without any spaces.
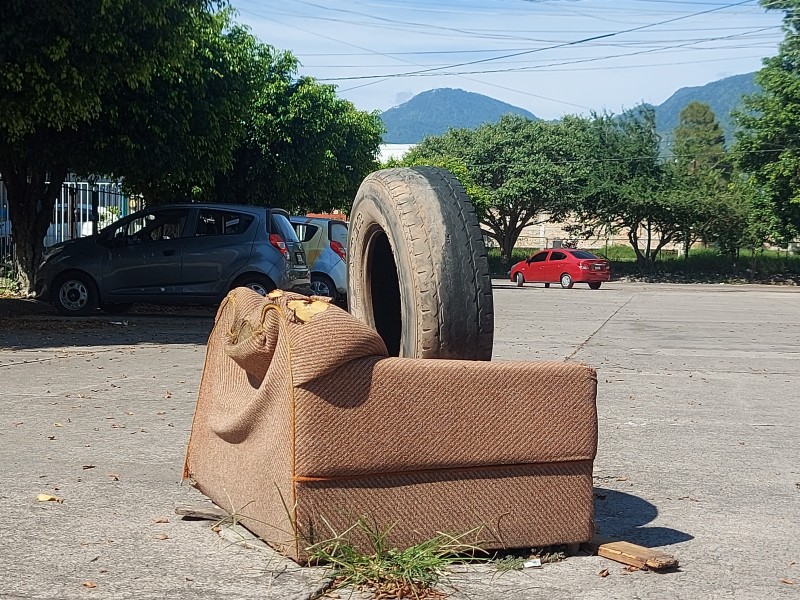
{"x":552,"y":47}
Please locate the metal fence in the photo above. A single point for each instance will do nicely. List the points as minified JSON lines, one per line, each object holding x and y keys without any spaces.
{"x":532,"y":241}
{"x":73,"y":215}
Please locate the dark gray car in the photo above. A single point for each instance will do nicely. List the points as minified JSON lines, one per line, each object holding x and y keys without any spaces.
{"x":175,"y":254}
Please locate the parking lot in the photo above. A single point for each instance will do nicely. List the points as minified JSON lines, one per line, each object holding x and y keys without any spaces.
{"x":698,"y":455}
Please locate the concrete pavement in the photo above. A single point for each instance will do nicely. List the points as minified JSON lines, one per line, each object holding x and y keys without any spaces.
{"x":698,"y":449}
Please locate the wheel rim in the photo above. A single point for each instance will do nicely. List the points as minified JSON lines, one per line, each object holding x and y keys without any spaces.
{"x":73,"y":295}
{"x":565,"y":280}
{"x":519,"y":279}
{"x":257,"y":287}
{"x":320,"y":288}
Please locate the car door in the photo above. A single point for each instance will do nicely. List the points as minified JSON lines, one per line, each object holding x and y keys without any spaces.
{"x":216,"y":248}
{"x":534,"y":270}
{"x":556,"y":265}
{"x":142,"y":255}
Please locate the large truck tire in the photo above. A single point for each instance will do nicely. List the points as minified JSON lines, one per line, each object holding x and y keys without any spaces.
{"x":418,"y":272}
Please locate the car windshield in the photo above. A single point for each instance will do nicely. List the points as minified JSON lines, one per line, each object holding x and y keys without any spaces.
{"x":582,"y":254}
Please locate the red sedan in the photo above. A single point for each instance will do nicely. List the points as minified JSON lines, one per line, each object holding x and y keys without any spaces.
{"x":564,"y":265}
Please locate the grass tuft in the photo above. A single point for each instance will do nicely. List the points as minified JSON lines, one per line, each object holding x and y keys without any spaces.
{"x":389,"y":572}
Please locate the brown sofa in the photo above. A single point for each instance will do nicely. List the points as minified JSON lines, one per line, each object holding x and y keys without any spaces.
{"x":303,"y":423}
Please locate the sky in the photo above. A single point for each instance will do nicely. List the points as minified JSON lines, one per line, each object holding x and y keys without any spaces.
{"x":551,"y":57}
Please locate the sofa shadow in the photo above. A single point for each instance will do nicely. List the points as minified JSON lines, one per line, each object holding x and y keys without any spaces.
{"x":625,"y":517}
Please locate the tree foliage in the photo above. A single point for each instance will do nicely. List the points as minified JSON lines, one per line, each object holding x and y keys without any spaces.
{"x":173,"y":97}
{"x":302,"y":148}
{"x":67,"y":73}
{"x":518,"y":169}
{"x":698,"y":177}
{"x":768,"y":142}
{"x":626,"y":188}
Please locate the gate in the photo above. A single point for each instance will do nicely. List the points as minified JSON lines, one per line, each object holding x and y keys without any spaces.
{"x":73,"y":216}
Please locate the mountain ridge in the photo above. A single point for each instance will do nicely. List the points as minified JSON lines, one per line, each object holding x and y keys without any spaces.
{"x":435,"y":111}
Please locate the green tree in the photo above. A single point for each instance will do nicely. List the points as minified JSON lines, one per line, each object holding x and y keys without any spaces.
{"x":625,"y":188}
{"x":519,"y":170}
{"x":442,"y":151}
{"x":303,"y":148}
{"x":768,"y":141}
{"x":169,"y":139}
{"x":697,"y":179}
{"x":72,"y":74}
{"x":699,"y":138}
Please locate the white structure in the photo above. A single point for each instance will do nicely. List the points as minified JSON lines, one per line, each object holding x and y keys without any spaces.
{"x":388,"y":151}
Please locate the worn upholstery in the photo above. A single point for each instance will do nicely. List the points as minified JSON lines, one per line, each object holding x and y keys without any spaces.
{"x":305,"y":426}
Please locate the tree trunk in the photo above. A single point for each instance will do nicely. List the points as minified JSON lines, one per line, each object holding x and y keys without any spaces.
{"x":31,"y":199}
{"x":633,"y":238}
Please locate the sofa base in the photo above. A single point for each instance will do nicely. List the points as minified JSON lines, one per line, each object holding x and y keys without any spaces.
{"x":520,"y":506}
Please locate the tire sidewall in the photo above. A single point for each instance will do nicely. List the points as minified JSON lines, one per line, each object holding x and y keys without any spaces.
{"x":372,"y":217}
{"x":445,"y":300}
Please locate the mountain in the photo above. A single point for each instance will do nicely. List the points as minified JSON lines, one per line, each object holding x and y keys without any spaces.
{"x":435,"y":111}
{"x":722,"y":96}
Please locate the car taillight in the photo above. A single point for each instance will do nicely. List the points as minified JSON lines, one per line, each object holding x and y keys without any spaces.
{"x":339,"y":249}
{"x":278,"y":242}
{"x":584,"y":266}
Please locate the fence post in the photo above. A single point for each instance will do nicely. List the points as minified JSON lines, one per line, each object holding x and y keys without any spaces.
{"x":95,"y":208}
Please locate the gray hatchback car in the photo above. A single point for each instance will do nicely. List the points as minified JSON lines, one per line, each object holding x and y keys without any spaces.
{"x":174,"y":254}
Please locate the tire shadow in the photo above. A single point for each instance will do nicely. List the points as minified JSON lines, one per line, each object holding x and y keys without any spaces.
{"x":625,"y":517}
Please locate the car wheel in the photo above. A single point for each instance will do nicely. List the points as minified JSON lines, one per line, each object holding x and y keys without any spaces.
{"x":322,"y":285}
{"x":116,"y":308}
{"x":566,"y":281}
{"x":418,"y":271}
{"x":595,"y":285}
{"x":258,"y":283}
{"x":75,"y":295}
{"x":520,"y":279}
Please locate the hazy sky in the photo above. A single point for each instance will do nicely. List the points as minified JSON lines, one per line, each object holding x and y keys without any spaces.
{"x":551,"y":57}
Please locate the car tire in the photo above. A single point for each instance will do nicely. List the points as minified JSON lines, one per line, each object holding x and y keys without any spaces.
{"x":547,"y":285}
{"x":566,"y":281}
{"x":258,"y":283}
{"x":75,"y":295}
{"x":595,"y":285}
{"x":418,"y":271}
{"x":520,"y":279}
{"x":322,"y":285}
{"x":115,"y":308}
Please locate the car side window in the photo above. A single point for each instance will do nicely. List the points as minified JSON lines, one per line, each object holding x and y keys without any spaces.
{"x":154,"y":227}
{"x":280,"y":224}
{"x":221,"y":222}
{"x":540,"y":257}
{"x":305,"y":231}
{"x":557,"y":256}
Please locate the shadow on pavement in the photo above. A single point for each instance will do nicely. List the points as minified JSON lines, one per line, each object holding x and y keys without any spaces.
{"x":624,"y":516}
{"x":28,"y":324}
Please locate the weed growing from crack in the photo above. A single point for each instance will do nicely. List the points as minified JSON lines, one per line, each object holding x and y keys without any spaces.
{"x":388,"y":572}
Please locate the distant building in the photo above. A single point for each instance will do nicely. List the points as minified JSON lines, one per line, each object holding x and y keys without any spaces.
{"x":388,"y":151}
{"x":335,"y":214}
